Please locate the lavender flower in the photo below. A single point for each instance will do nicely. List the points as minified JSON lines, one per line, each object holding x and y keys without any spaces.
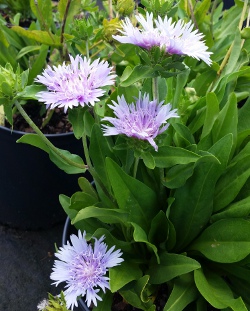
{"x":83,"y":267}
{"x":142,"y":120}
{"x":174,"y":38}
{"x":78,"y":83}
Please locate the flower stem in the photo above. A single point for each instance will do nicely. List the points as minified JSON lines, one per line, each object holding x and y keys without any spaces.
{"x":155,"y":89}
{"x":137,"y":159}
{"x":45,"y":139}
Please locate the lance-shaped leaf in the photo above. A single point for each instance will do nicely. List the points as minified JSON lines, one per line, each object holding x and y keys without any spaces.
{"x":216,"y":291}
{"x":226,"y":241}
{"x":171,"y":266}
{"x":193,"y":203}
{"x":183,"y":293}
{"x":132,"y":196}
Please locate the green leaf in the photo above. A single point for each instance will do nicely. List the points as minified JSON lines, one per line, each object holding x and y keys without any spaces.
{"x":170,"y":267}
{"x":227,"y":121}
{"x":177,"y":175}
{"x":39,"y":63}
{"x":99,"y":150}
{"x":30,"y":91}
{"x":212,"y":111}
{"x":106,"y":215}
{"x":139,"y":72}
{"x":239,"y":209}
{"x":183,"y":293}
{"x":40,"y":36}
{"x":123,"y":274}
{"x":64,"y":165}
{"x":225,"y":241}
{"x":215,"y":290}
{"x":33,"y":140}
{"x":76,"y":116}
{"x":140,"y":236}
{"x":42,"y":9}
{"x":80,"y":200}
{"x":194,"y":200}
{"x":169,"y":156}
{"x":106,"y":302}
{"x":231,"y":182}
{"x":28,"y":49}
{"x":87,"y":187}
{"x":132,"y":196}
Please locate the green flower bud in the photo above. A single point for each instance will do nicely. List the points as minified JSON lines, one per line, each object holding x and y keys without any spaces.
{"x":12,"y":82}
{"x":125,"y":7}
{"x":110,"y":28}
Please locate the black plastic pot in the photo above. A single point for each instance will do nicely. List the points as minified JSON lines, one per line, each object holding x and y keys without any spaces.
{"x":30,"y":183}
{"x":67,"y":230}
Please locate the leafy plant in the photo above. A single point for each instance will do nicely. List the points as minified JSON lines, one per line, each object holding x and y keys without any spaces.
{"x":177,"y":203}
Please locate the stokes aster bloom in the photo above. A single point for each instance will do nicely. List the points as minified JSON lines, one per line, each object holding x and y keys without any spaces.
{"x":78,"y":83}
{"x":175,"y":38}
{"x":83,"y":267}
{"x":142,"y":120}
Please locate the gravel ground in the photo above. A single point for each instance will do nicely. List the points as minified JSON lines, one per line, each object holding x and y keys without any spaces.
{"x":26,"y":259}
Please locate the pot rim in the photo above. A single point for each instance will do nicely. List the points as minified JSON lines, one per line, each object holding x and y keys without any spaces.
{"x":4,"y":128}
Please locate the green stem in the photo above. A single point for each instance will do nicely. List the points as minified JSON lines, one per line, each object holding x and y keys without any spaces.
{"x":64,"y":20}
{"x":155,"y":89}
{"x":48,"y":117}
{"x":45,"y":139}
{"x":137,"y":159}
{"x":87,"y":48}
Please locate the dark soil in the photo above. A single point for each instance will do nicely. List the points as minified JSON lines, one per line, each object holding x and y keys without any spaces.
{"x":58,"y":123}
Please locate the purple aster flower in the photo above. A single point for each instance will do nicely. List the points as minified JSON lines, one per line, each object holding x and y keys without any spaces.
{"x":174,"y":38}
{"x":84,"y":267}
{"x":180,"y":38}
{"x":147,"y":37}
{"x":78,"y":83}
{"x":142,"y":120}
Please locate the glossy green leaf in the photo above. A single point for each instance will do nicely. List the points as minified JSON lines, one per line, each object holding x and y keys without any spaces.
{"x":227,"y":121}
{"x":106,"y":215}
{"x":123,"y":274}
{"x":140,"y":236}
{"x":99,"y":150}
{"x":33,"y":140}
{"x":170,"y":267}
{"x":87,"y":187}
{"x":225,"y":241}
{"x":132,"y":196}
{"x":239,"y":209}
{"x":80,"y":200}
{"x":177,"y":175}
{"x":231,"y":182}
{"x":169,"y":156}
{"x":183,"y":293}
{"x":139,"y":72}
{"x":42,"y":9}
{"x":30,"y":91}
{"x":39,"y":63}
{"x":216,"y":291}
{"x":39,"y":35}
{"x":194,"y":200}
{"x":212,"y":111}
{"x":76,"y":116}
